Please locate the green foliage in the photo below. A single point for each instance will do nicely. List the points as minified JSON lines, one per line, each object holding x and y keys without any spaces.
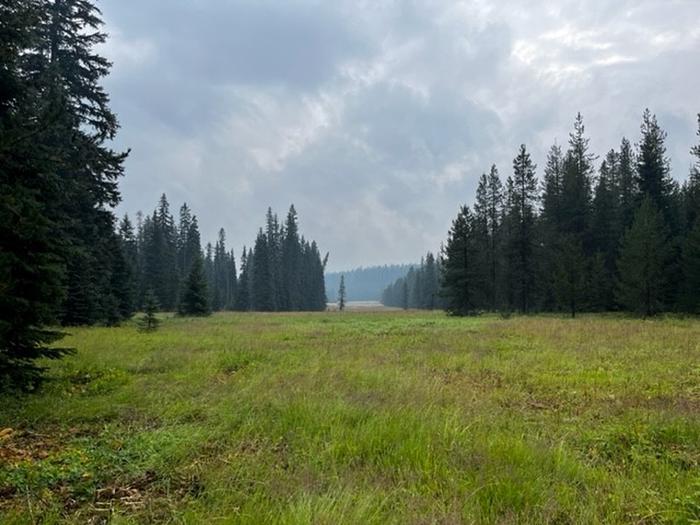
{"x":643,"y":283}
{"x":341,"y":294}
{"x":195,"y":298}
{"x":60,"y":258}
{"x":149,"y":322}
{"x":459,"y":275}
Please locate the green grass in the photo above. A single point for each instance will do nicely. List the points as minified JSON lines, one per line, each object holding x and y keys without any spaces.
{"x":362,"y":418}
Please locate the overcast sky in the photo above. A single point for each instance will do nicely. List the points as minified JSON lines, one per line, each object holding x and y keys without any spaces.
{"x":376,"y":117}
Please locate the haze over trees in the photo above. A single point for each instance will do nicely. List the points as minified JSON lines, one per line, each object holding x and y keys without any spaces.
{"x":418,"y":288}
{"x":365,"y":283}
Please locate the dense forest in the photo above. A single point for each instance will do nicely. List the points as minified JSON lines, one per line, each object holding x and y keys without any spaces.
{"x":624,"y":238}
{"x":282,"y":271}
{"x":365,"y":283}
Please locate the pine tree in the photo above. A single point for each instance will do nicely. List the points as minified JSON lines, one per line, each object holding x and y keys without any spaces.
{"x":487,"y":211}
{"x":341,"y":294}
{"x":195,"y":297}
{"x":576,"y":185}
{"x":459,"y":274}
{"x":606,"y":228}
{"x":263,"y":297}
{"x":627,"y":190}
{"x":220,"y":279}
{"x":149,"y":322}
{"x":243,"y":297}
{"x":182,"y":245}
{"x":520,"y":244}
{"x":130,"y":275}
{"x":642,"y":265}
{"x":653,"y":175}
{"x":290,"y":263}
{"x":550,"y":224}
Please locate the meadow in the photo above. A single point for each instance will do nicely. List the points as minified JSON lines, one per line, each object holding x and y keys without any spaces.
{"x":362,"y":418}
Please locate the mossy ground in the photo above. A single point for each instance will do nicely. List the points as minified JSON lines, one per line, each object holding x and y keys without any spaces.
{"x":361,"y":418}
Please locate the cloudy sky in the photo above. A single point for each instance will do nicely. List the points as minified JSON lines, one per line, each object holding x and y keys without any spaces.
{"x":376,"y":117}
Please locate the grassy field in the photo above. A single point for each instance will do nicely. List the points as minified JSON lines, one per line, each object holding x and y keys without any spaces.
{"x":361,"y":418}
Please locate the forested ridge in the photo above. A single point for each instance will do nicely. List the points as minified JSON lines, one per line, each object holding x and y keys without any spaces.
{"x":624,"y":236}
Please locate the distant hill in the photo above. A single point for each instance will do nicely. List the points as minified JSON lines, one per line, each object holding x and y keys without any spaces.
{"x":365,"y":284}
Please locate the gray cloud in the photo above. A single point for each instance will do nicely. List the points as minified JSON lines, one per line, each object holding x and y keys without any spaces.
{"x":377,"y":117}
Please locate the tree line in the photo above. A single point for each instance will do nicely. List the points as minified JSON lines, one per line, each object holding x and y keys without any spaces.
{"x":419,"y":288}
{"x":282,"y":272}
{"x":623,"y":237}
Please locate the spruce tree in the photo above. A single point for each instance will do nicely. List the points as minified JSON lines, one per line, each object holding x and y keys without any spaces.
{"x":653,"y":174}
{"x":642,"y":266}
{"x":459,"y":270}
{"x":195,"y":297}
{"x":576,"y":185}
{"x":521,"y":241}
{"x":290,"y":262}
{"x":149,"y":322}
{"x":263,"y":297}
{"x":243,"y":297}
{"x":341,"y":294}
{"x":627,"y":189}
{"x":487,"y":211}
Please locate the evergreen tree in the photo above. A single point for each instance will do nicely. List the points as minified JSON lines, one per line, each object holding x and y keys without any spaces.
{"x":58,"y":180}
{"x":290,"y":261}
{"x":341,"y":294}
{"x":233,"y":280}
{"x":627,"y":190}
{"x":130,"y":274}
{"x":149,"y":322}
{"x":653,"y":174}
{"x":243,"y":297}
{"x":184,"y":255}
{"x":550,"y":224}
{"x":576,"y":185}
{"x":642,"y":285}
{"x":520,"y":244}
{"x":606,"y":229}
{"x":459,"y":271}
{"x":195,"y":297}
{"x":487,"y":211}
{"x":221,"y":274}
{"x":552,"y":188}
{"x":263,"y":297}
